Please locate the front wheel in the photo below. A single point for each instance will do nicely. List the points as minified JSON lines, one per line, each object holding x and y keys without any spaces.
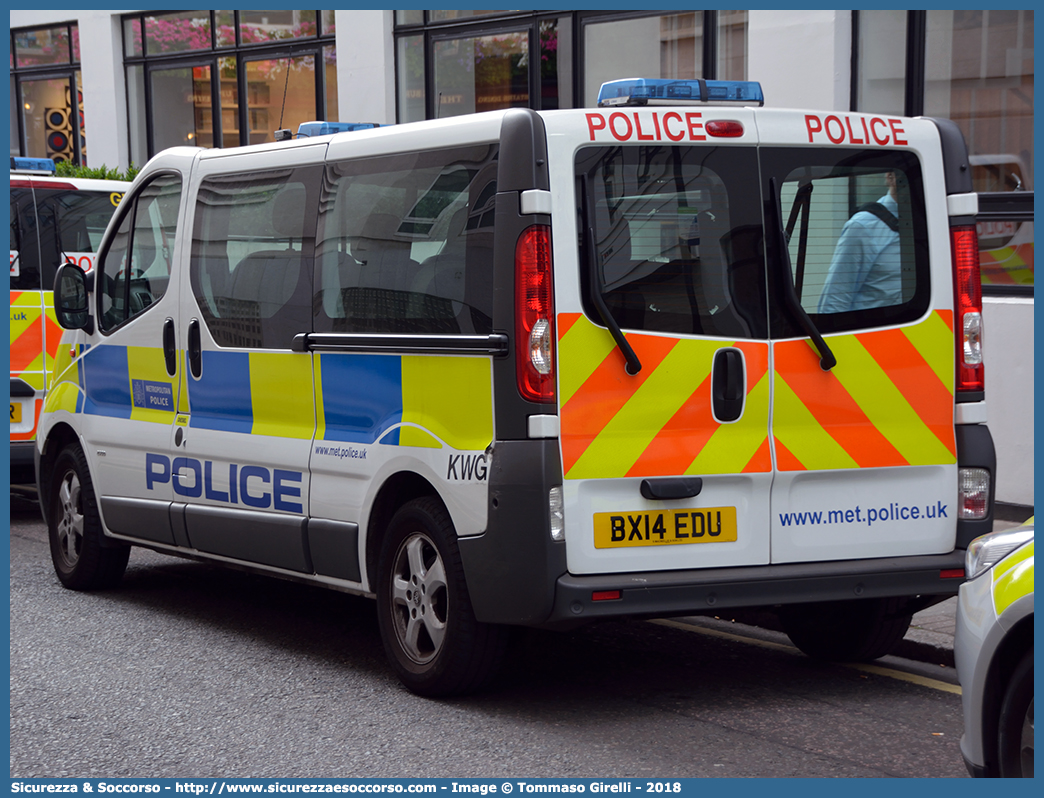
{"x":1016,"y":723}
{"x":428,"y":628}
{"x":859,"y":630}
{"x":80,"y":559}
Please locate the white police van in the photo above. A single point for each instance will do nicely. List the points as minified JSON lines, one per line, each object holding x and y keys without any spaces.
{"x":541,"y":368}
{"x":53,"y":220}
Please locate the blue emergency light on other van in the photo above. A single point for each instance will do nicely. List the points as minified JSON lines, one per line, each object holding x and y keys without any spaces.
{"x":328,"y":128}
{"x":648,"y":91}
{"x":37,"y":166}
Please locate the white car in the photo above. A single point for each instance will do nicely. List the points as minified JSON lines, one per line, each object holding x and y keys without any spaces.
{"x":993,"y":650}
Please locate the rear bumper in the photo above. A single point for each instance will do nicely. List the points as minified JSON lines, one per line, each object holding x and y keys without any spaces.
{"x":23,"y":466}
{"x":659,"y":594}
{"x":23,"y":453}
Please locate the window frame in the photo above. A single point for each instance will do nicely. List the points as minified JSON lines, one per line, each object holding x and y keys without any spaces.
{"x":314,"y":45}
{"x":67,"y":71}
{"x":487,"y":24}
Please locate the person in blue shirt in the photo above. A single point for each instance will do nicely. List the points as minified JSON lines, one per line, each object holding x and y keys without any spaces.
{"x":865,"y":270}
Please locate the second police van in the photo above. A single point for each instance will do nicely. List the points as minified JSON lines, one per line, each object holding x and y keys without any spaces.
{"x":674,"y":354}
{"x":53,"y":220}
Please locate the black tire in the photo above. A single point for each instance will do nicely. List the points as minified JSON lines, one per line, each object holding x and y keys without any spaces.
{"x":430,"y":634}
{"x":75,"y":531}
{"x":846,"y":631}
{"x":1015,"y":725}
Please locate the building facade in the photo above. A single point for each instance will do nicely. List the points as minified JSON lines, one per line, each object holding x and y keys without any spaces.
{"x":115,"y":87}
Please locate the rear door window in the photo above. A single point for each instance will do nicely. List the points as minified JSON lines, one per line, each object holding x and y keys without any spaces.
{"x":856,"y":233}
{"x":671,"y":237}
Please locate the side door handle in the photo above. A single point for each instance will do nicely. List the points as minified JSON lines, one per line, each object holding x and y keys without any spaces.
{"x":170,"y":351}
{"x":195,"y":349}
{"x":728,"y":385}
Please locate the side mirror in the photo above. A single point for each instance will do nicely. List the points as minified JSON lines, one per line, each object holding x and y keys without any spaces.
{"x":71,"y":293}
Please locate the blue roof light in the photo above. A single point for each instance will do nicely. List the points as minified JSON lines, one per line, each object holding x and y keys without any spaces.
{"x":327,"y":128}
{"x":34,"y":165}
{"x":647,"y":91}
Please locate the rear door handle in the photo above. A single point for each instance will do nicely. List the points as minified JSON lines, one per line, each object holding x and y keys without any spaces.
{"x":728,"y":385}
{"x":671,"y":488}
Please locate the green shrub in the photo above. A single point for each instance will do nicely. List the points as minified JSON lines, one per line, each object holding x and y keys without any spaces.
{"x":103,"y":172}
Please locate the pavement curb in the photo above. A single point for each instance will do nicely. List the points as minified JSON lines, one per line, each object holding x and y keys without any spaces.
{"x":928,"y":653}
{"x":930,"y":639}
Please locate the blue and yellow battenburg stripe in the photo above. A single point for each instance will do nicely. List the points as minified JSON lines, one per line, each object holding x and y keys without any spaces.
{"x":407,"y":400}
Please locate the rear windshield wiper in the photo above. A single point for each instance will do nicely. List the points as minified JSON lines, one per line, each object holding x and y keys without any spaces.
{"x":802,"y":202}
{"x":826,"y":358}
{"x":597,"y":286}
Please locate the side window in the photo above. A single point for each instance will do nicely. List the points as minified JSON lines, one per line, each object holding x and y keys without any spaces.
{"x":675,"y":239}
{"x":134,"y":271}
{"x":405,"y":244}
{"x":252,"y":253}
{"x":856,"y":236}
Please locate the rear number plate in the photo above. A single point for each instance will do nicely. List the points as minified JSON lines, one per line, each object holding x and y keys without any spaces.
{"x":665,"y":527}
{"x":16,"y":413}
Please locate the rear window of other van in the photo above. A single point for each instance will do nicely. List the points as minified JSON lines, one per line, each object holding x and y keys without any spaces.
{"x":65,"y":222}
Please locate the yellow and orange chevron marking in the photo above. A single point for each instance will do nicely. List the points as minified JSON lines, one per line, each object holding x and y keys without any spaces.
{"x":658,"y":422}
{"x":28,"y":334}
{"x":888,"y":402}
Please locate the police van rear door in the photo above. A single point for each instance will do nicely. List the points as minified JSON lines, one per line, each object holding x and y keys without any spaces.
{"x":864,"y":449}
{"x":666,"y":466}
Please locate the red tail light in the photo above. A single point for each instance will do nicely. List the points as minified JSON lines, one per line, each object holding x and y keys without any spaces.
{"x":534,"y":315}
{"x":968,"y":322}
{"x":49,"y":184}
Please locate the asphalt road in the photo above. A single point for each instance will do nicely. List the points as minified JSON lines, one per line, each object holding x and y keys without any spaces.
{"x":190,"y":670}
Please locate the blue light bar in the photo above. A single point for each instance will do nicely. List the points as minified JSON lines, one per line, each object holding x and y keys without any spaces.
{"x":327,"y":128}
{"x":647,"y":91}
{"x":37,"y":166}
